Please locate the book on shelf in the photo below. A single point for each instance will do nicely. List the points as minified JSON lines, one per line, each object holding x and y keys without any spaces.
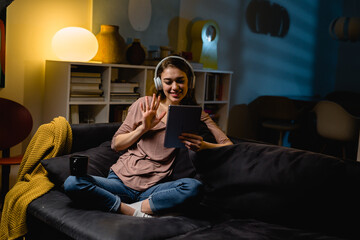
{"x":125,"y":94}
{"x":84,"y":86}
{"x":218,"y":89}
{"x":86,"y":80}
{"x":124,"y":87}
{"x":97,"y":92}
{"x":209,"y":87}
{"x":120,"y":113}
{"x":86,"y":74}
{"x":87,"y":98}
{"x":213,"y":87}
{"x":124,"y":97}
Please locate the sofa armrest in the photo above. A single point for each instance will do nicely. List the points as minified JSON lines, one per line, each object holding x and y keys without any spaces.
{"x":87,"y":136}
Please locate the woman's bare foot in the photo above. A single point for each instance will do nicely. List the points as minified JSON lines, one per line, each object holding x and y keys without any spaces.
{"x":145,"y":207}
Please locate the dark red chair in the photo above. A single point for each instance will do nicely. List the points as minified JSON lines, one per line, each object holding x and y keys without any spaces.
{"x":15,"y":125}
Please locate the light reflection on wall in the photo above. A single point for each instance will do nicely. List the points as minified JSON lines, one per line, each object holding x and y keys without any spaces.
{"x":281,"y":66}
{"x":303,"y":63}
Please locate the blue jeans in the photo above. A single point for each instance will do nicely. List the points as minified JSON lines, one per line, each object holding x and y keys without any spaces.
{"x":107,"y":193}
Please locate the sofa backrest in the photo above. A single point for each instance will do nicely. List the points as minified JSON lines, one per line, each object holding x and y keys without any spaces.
{"x":282,"y":185}
{"x":87,"y":136}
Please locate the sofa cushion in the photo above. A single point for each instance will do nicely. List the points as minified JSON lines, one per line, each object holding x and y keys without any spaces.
{"x":52,"y":216}
{"x":251,"y":229}
{"x":100,"y":160}
{"x":56,"y":209}
{"x":281,"y":185}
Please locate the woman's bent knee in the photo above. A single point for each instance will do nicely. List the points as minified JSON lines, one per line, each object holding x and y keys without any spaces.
{"x":74,"y":184}
{"x":69,"y":183}
{"x":191,"y":186}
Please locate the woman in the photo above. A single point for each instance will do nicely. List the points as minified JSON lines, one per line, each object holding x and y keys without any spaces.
{"x":138,"y":175}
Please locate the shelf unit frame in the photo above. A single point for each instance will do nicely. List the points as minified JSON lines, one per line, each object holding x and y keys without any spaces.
{"x":57,"y":101}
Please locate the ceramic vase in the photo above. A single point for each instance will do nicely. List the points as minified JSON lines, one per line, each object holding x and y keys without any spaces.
{"x":345,"y":28}
{"x":354,"y":29}
{"x":135,"y":53}
{"x":111,"y":45}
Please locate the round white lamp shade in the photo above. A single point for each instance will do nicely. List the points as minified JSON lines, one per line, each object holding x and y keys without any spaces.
{"x":75,"y":44}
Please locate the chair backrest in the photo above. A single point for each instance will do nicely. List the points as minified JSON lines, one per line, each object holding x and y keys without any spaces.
{"x":240,"y":124}
{"x":334,"y":122}
{"x":274,"y":107}
{"x":15,"y":123}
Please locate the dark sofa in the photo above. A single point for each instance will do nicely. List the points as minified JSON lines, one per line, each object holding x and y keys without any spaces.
{"x":251,"y":191}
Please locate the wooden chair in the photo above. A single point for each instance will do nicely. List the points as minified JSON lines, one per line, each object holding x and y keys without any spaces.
{"x":335,"y":123}
{"x":277,"y":113}
{"x":15,"y":125}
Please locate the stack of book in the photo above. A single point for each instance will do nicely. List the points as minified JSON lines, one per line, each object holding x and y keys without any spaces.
{"x":124,"y":92}
{"x":86,"y":86}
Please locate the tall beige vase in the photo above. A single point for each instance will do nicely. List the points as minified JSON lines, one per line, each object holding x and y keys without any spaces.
{"x":111,"y":45}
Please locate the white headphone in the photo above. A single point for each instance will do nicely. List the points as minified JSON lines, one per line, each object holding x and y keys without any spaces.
{"x":157,"y":80}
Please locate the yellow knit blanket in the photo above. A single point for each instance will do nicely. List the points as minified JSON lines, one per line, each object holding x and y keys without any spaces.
{"x":50,"y":140}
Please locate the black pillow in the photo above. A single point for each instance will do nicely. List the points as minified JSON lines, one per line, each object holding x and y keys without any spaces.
{"x":183,"y":166}
{"x":282,"y":185}
{"x":101,"y":158}
{"x":206,"y":133}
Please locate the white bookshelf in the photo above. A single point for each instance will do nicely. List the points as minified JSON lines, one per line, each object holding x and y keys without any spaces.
{"x":219,"y":106}
{"x":58,"y":101}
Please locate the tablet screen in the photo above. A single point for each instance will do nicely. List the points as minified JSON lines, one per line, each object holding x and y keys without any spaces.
{"x":181,"y":118}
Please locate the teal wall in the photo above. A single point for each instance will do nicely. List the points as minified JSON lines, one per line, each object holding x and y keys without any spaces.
{"x":306,"y":62}
{"x":303,"y":63}
{"x":348,"y":67}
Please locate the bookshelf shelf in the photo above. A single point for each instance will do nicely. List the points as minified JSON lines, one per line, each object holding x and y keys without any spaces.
{"x":68,"y":94}
{"x":87,"y":103}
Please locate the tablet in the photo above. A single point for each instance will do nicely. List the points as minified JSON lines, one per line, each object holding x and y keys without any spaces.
{"x":181,"y":118}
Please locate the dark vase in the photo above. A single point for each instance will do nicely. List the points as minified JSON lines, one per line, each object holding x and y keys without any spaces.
{"x":135,"y":54}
